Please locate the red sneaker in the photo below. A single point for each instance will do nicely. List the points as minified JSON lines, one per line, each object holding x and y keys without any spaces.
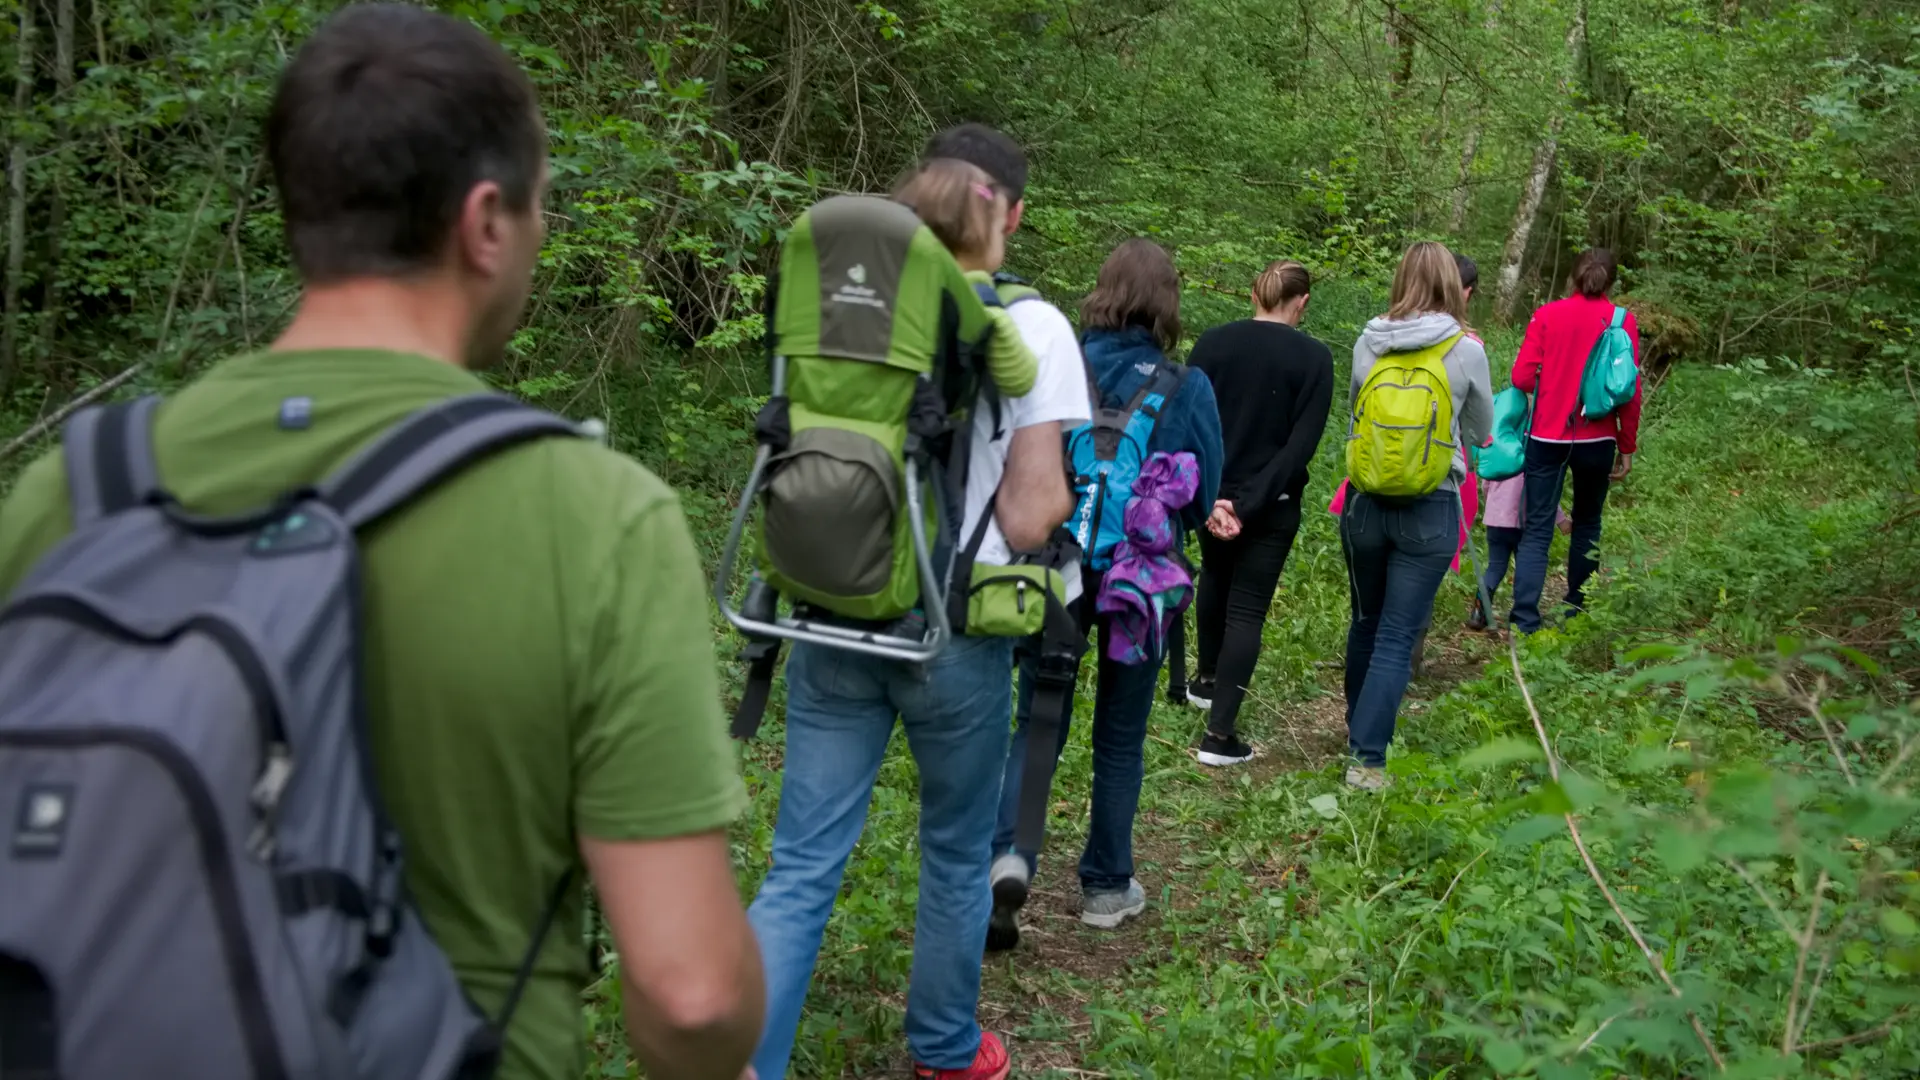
{"x":991,"y":1063}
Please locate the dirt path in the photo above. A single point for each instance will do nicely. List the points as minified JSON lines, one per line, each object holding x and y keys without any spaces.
{"x":1039,"y":994}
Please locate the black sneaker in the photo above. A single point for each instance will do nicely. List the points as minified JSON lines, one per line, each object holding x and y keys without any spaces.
{"x":1200,"y":692}
{"x":1220,"y":752}
{"x":1477,"y":616}
{"x":1003,"y":929}
{"x":1008,"y":880}
{"x":1419,"y":654}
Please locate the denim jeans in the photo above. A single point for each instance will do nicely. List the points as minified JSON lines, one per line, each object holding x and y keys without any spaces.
{"x":1237,"y":579}
{"x":840,"y":713}
{"x":1123,"y":697}
{"x":1548,"y":465}
{"x":1397,"y":554}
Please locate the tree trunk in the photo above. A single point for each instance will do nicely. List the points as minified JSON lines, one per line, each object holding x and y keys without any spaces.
{"x":1507,"y":290}
{"x":717,"y":78}
{"x":17,"y":202}
{"x":1400,"y":43}
{"x":51,"y":300}
{"x":1467,"y":152}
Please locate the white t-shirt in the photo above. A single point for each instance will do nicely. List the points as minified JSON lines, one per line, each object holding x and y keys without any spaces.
{"x":1059,"y":393}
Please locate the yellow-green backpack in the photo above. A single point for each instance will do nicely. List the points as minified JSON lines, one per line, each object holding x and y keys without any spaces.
{"x":1399,"y":442}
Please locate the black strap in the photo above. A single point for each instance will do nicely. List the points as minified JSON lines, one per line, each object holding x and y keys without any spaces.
{"x":527,"y":962}
{"x":1062,"y":643}
{"x":430,"y":446}
{"x":110,"y":459}
{"x":302,"y":891}
{"x":763,"y":659}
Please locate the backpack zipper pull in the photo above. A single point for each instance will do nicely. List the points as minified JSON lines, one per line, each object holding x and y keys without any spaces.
{"x":1020,"y":596}
{"x":266,"y":799}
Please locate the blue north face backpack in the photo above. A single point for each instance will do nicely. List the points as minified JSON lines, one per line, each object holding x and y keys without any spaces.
{"x":197,"y":875}
{"x":1106,"y":455}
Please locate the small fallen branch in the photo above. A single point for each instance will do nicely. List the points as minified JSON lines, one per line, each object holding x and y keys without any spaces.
{"x":1593,"y":869}
{"x":32,"y":435}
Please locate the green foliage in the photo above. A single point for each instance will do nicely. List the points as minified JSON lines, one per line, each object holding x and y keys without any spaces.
{"x":1754,"y":163}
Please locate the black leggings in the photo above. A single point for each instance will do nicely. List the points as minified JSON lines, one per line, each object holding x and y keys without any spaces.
{"x":1237,"y":579}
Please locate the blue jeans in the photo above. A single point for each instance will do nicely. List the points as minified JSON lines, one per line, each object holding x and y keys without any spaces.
{"x":1548,"y":466}
{"x":1123,"y":697}
{"x":1397,"y":554}
{"x":840,"y":713}
{"x":1502,"y":542}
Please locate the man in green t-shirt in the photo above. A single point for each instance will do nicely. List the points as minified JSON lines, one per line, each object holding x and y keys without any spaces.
{"x":540,"y":673}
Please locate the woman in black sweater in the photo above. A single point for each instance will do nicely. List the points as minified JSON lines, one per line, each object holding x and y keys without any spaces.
{"x":1274,"y":385}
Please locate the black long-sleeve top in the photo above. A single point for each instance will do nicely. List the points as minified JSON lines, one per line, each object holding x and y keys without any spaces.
{"x":1274,"y":386}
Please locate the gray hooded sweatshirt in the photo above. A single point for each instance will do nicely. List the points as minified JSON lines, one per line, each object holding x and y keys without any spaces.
{"x":1467,"y":374}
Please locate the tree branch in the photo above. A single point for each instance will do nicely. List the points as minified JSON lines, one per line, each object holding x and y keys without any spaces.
{"x":1593,"y":869}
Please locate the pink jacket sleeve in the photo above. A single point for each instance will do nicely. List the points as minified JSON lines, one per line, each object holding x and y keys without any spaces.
{"x":1526,"y":366}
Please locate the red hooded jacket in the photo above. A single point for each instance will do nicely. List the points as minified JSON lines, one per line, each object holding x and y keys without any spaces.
{"x":1552,"y":360}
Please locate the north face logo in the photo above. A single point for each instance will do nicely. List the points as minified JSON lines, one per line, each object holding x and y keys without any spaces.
{"x":857,"y":274}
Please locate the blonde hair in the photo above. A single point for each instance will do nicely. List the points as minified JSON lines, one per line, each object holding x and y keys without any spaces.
{"x":955,"y":200}
{"x":1281,"y":281}
{"x":1428,"y":280}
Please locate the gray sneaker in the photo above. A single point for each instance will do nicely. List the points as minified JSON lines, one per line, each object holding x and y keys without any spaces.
{"x":1107,"y":910}
{"x":1367,"y":779}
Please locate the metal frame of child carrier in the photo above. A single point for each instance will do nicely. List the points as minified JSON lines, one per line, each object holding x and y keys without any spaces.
{"x":764,"y":619}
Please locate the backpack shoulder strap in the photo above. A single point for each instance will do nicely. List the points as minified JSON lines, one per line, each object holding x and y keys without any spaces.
{"x":110,"y":460}
{"x":1013,"y":289}
{"x":429,"y":446}
{"x":988,"y":294}
{"x":1619,"y":318}
{"x":1165,"y":382}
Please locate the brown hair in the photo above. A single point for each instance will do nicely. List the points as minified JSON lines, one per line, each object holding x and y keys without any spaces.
{"x":1428,"y":280}
{"x":1281,"y":281}
{"x":381,"y":126}
{"x":1593,"y":272}
{"x":956,"y":200}
{"x":1137,"y":286}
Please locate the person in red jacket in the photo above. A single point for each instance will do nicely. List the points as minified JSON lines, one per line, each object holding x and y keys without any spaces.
{"x":1552,"y":360}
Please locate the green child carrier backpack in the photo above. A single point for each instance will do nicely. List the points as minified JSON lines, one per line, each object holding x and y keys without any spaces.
{"x":1399,"y":440}
{"x":877,"y":345}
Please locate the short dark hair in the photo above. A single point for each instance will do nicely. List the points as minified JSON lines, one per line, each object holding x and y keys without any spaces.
{"x":1593,"y":272}
{"x":1136,"y":286}
{"x":384,"y":121}
{"x":1469,"y":270}
{"x":989,"y":150}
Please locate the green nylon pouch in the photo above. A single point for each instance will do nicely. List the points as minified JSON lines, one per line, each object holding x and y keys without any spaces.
{"x":1010,"y":601}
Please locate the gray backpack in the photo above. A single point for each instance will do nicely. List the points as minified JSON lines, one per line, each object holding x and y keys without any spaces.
{"x":197,"y":878}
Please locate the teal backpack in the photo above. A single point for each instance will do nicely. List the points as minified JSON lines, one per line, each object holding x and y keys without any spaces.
{"x":1611,"y":377}
{"x":1506,"y":455}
